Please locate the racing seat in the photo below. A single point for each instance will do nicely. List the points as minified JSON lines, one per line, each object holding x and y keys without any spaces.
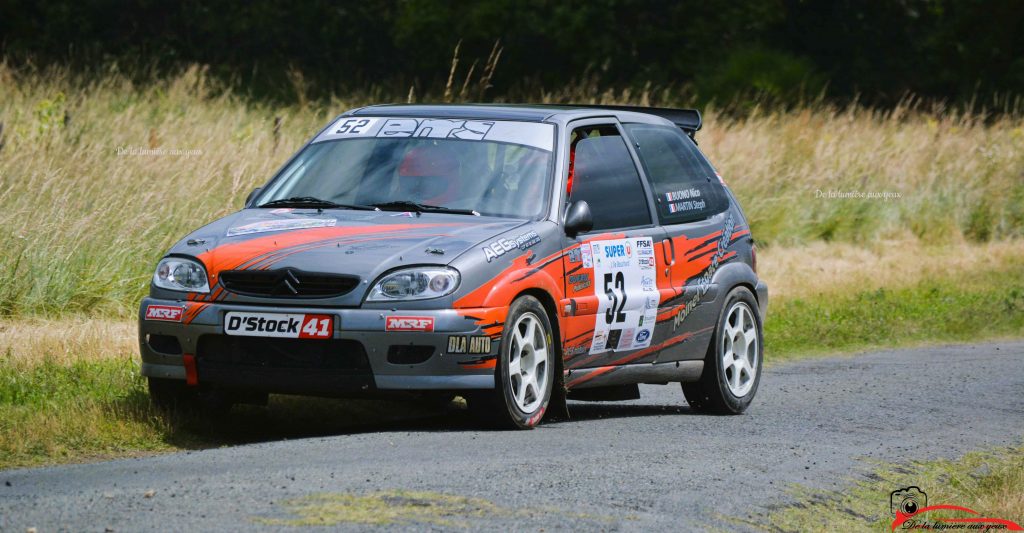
{"x":429,"y":174}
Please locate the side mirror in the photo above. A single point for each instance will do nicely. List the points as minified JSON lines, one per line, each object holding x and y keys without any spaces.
{"x":248,"y":199}
{"x":578,"y":219}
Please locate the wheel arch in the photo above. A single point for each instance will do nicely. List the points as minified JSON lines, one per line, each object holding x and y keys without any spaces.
{"x":732,"y":275}
{"x":557,"y":407}
{"x":551,"y":307}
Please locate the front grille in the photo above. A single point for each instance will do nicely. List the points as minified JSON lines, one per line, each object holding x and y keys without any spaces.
{"x":287,"y":283}
{"x":268,"y":352}
{"x":288,"y":366}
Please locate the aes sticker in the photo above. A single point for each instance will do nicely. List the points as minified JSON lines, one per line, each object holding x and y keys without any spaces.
{"x":280,"y":325}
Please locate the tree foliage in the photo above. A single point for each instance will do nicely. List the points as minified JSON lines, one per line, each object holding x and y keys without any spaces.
{"x":950,"y":49}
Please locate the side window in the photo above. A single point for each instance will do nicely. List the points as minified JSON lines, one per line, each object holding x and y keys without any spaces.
{"x":603,"y":174}
{"x":684,"y":184}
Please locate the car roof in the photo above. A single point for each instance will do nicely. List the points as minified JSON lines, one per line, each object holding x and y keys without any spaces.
{"x":522,"y":112}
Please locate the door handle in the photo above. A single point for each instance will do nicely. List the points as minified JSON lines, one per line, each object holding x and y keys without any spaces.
{"x":666,"y":245}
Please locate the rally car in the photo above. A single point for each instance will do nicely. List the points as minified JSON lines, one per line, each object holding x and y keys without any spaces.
{"x":513,"y":255}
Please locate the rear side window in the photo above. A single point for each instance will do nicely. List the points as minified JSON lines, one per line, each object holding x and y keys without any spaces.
{"x":604,"y":175}
{"x":684,"y":184}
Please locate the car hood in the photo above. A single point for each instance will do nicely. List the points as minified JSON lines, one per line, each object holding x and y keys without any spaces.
{"x":361,"y":243}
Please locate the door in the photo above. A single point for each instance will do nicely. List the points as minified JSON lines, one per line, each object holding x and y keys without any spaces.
{"x":692,"y":207}
{"x":614,"y":274}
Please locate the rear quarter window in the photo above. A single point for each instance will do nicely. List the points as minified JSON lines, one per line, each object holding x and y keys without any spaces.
{"x":684,"y":184}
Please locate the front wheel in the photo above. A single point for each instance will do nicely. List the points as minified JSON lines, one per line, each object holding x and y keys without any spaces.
{"x":732,"y":367}
{"x":525,"y":370}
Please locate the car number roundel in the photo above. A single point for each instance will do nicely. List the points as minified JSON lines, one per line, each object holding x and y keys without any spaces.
{"x":624,"y":282}
{"x":280,"y":325}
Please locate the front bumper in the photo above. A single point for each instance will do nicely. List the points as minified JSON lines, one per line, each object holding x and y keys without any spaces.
{"x":361,"y":356}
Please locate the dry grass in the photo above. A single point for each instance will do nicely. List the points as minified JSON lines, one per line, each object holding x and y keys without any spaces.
{"x":25,"y":343}
{"x":823,"y":269}
{"x":98,"y":178}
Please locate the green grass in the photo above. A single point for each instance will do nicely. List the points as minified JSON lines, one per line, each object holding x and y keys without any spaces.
{"x":989,"y":482}
{"x":977,"y":305}
{"x":92,"y":410}
{"x":55,"y":412}
{"x":419,"y":508}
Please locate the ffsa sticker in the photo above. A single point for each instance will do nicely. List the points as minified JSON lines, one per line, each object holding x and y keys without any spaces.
{"x":624,"y":282}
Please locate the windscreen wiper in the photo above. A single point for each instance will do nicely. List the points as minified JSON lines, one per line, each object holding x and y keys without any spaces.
{"x":406,"y":205}
{"x":316,"y":203}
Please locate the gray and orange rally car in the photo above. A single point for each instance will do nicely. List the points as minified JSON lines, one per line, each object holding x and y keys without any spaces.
{"x":513,"y":255}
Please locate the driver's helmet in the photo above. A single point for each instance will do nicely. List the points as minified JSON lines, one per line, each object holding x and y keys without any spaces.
{"x":429,"y":174}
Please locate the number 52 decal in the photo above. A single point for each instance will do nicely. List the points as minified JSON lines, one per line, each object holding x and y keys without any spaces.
{"x":617,"y":295}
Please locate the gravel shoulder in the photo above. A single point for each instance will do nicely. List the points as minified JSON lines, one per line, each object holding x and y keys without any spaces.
{"x":648,"y":463}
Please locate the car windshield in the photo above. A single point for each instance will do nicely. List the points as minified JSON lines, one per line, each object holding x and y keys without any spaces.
{"x":496,"y":168}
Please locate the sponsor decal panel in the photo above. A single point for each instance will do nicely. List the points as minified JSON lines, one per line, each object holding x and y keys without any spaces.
{"x":580,"y":282}
{"x":614,"y":336}
{"x":574,"y":255}
{"x":264,"y":226}
{"x":576,"y":350}
{"x":469,"y":344}
{"x":279,"y":325}
{"x":626,"y":341}
{"x":642,"y":336}
{"x":624,"y":280}
{"x":409,"y":323}
{"x":166,"y":313}
{"x":527,"y":133}
{"x":704,"y":281}
{"x":600,"y":341}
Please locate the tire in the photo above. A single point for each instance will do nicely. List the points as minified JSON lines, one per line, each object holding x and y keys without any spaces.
{"x":172,"y":395}
{"x":731,"y":373}
{"x":524,"y":373}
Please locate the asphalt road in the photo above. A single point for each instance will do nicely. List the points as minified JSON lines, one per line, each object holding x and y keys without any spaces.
{"x":635,"y":465}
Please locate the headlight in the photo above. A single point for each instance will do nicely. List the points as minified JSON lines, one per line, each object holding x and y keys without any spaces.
{"x":180,"y":274}
{"x":417,"y":283}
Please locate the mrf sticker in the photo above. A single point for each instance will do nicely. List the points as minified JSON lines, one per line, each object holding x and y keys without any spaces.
{"x":624,"y":282}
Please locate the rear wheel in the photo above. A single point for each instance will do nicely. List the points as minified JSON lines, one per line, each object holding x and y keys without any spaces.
{"x":524,"y":373}
{"x":732,"y":368}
